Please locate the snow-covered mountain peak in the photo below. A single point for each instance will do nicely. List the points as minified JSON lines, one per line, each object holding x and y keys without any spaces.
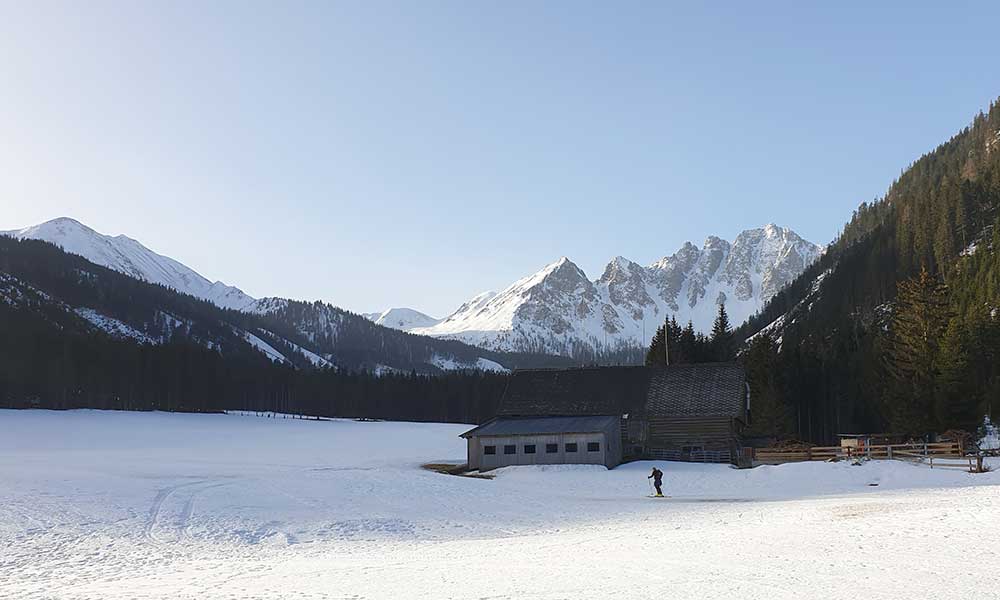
{"x":124,"y":254}
{"x":562,"y":275}
{"x":564,"y":267}
{"x":621,"y":270}
{"x":60,"y":228}
{"x":405,"y":319}
{"x":713,"y":241}
{"x":558,"y":309}
{"x":620,"y":262}
{"x":687,"y":255}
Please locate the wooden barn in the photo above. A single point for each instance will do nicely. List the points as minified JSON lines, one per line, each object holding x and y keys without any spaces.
{"x":605,"y":415}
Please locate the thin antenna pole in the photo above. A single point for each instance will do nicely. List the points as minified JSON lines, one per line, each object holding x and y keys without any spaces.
{"x":666,"y":341}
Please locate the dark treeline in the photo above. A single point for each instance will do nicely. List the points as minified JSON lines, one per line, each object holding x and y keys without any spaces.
{"x":44,"y":367}
{"x":688,"y":346}
{"x":896,"y":328}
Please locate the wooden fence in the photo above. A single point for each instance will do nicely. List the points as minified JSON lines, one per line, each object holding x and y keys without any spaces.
{"x":705,"y":456}
{"x":947,"y":455}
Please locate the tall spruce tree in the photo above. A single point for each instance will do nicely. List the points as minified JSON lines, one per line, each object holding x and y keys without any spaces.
{"x":913,"y":358}
{"x":770,"y":414}
{"x":689,"y":346}
{"x":655,"y":354}
{"x":959,"y":406}
{"x":722,"y":336}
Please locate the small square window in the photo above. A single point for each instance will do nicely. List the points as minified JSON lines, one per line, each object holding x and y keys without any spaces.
{"x":593,"y":446}
{"x":551,"y":448}
{"x":510,"y":449}
{"x":489,"y":449}
{"x":570,"y":447}
{"x":529,"y":448}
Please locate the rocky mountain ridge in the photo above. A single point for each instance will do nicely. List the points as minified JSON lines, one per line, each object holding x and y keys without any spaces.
{"x":560,"y":310}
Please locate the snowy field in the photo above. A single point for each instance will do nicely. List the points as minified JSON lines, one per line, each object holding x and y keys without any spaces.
{"x":104,"y":505}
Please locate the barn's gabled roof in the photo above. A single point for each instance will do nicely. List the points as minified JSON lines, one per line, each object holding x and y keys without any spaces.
{"x":575,"y":392}
{"x":707,"y":389}
{"x":543,"y":425}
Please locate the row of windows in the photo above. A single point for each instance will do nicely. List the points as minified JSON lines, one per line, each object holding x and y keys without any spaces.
{"x":549,"y":448}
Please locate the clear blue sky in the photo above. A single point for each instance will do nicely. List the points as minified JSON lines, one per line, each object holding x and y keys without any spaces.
{"x":413,"y":154}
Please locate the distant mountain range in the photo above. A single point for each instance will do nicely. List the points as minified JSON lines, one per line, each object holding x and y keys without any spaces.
{"x":556,"y":311}
{"x":302,"y":334}
{"x":559,"y":310}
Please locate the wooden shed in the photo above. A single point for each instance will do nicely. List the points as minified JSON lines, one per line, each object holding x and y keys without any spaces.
{"x":693,"y":412}
{"x":678,"y":412}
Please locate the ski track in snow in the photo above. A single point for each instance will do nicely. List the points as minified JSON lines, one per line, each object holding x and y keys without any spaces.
{"x":181,"y":525}
{"x":151,"y":505}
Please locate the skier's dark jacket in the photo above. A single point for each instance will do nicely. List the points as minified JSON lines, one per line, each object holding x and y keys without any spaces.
{"x":657,"y":476}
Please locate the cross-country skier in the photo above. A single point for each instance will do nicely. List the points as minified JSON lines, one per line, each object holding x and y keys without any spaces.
{"x":657,"y":477}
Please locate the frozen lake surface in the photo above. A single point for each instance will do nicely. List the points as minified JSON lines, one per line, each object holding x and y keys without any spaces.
{"x":151,"y":505}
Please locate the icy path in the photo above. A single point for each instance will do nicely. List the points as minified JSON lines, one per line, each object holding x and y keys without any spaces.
{"x":127,"y":505}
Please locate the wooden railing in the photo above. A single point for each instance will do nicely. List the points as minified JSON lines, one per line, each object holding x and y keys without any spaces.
{"x":972,"y":464}
{"x":706,"y":456}
{"x":936,"y":455}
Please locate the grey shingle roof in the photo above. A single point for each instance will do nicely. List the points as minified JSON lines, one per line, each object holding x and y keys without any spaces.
{"x":543,"y":425}
{"x":708,"y":389}
{"x":575,"y":392}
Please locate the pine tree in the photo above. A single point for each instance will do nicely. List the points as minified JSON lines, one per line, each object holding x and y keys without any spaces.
{"x":944,"y":242}
{"x":689,"y":344}
{"x":770,"y":415}
{"x":655,"y":354}
{"x":722,"y":336}
{"x":913,"y":356}
{"x":957,"y":410}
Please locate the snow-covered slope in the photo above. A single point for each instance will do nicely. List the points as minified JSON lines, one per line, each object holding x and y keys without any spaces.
{"x":128,"y":256}
{"x":402,"y":318}
{"x":172,"y":506}
{"x":560,"y":310}
{"x":447,"y":363}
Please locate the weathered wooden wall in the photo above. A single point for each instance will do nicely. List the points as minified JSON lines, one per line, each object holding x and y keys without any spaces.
{"x":674,"y":432}
{"x":668,"y":436}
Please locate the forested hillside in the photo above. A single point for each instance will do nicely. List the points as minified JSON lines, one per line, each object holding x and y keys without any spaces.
{"x":78,"y":335}
{"x":897,"y":326}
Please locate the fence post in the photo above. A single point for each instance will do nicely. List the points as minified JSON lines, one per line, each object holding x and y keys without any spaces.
{"x":888,"y":449}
